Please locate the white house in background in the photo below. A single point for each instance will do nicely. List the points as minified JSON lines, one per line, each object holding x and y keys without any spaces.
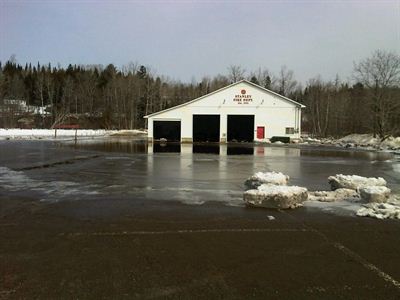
{"x":242,"y":111}
{"x":17,"y":106}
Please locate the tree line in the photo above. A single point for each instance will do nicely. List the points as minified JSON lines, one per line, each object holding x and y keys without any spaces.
{"x":96,"y":96}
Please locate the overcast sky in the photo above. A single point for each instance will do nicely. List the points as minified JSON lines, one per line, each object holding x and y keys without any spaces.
{"x":186,"y":39}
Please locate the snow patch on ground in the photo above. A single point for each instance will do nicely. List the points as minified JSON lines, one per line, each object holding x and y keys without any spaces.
{"x":389,"y":210}
{"x":366,"y":140}
{"x":380,"y":211}
{"x":362,"y":141}
{"x":356,"y":205}
{"x":27,"y":134}
{"x":311,"y":140}
{"x":359,"y":139}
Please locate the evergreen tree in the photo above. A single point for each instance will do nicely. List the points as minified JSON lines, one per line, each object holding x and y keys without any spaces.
{"x":253,"y":79}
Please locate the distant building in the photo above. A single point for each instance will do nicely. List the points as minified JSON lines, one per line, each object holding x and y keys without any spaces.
{"x":19,"y":107}
{"x":242,"y":111}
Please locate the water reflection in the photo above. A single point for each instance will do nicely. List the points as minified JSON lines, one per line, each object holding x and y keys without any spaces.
{"x":206,"y":148}
{"x":140,"y":146}
{"x":165,"y":148}
{"x":356,"y":154}
{"x":112,"y":145}
{"x":194,"y":173}
{"x":237,"y":150}
{"x":203,"y":149}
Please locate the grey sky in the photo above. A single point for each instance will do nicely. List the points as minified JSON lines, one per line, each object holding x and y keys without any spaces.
{"x":186,"y":39}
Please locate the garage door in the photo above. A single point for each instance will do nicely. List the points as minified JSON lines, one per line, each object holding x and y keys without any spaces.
{"x":169,"y":130}
{"x":240,"y":128}
{"x":206,"y":128}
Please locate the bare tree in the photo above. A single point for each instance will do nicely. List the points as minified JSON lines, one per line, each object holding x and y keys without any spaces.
{"x":381,"y":74}
{"x":235,"y":73}
{"x":264,"y":78}
{"x":286,"y":82}
{"x":318,"y":105}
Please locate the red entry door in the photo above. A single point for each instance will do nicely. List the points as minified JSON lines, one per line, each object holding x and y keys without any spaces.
{"x":260,"y":132}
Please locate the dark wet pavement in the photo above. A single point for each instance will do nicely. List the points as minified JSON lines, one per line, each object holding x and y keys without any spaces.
{"x":112,"y":225}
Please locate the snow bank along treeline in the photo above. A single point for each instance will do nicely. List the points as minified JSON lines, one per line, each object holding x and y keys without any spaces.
{"x":367,"y":141}
{"x":62,"y":133}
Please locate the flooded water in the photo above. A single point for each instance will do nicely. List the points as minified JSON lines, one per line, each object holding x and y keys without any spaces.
{"x":192,"y":174}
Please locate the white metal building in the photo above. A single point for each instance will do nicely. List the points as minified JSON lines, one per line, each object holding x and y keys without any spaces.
{"x":242,"y":111}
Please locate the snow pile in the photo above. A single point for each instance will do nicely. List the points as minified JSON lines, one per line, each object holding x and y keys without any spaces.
{"x":332,"y":196}
{"x":61,"y":133}
{"x":269,"y":190}
{"x":392,"y":143}
{"x":311,"y":140}
{"x":380,"y":210}
{"x":366,"y":197}
{"x":296,"y":140}
{"x":368,"y":140}
{"x":265,"y":141}
{"x":260,"y":178}
{"x":132,"y":132}
{"x":375,"y":194}
{"x":276,"y":196}
{"x":354,"y":182}
{"x":359,"y":139}
{"x":363,"y":141}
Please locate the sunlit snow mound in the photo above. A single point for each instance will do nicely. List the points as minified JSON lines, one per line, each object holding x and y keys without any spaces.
{"x":276,"y":196}
{"x":367,"y":197}
{"x":390,"y":210}
{"x":259,"y":178}
{"x":354,"y":182}
{"x":378,"y":194}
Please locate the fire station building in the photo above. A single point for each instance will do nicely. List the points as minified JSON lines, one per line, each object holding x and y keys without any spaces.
{"x":242,"y":111}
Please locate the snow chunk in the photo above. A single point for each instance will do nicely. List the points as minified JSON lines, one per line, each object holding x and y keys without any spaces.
{"x":375,"y":193}
{"x":354,"y":182}
{"x":259,"y":178}
{"x":277,"y":178}
{"x":380,"y":210}
{"x":276,"y":196}
{"x":331,"y":196}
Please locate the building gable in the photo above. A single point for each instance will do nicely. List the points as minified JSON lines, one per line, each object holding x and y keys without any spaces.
{"x":239,"y":95}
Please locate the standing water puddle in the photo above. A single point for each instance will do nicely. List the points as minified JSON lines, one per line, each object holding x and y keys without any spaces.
{"x":193,"y":174}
